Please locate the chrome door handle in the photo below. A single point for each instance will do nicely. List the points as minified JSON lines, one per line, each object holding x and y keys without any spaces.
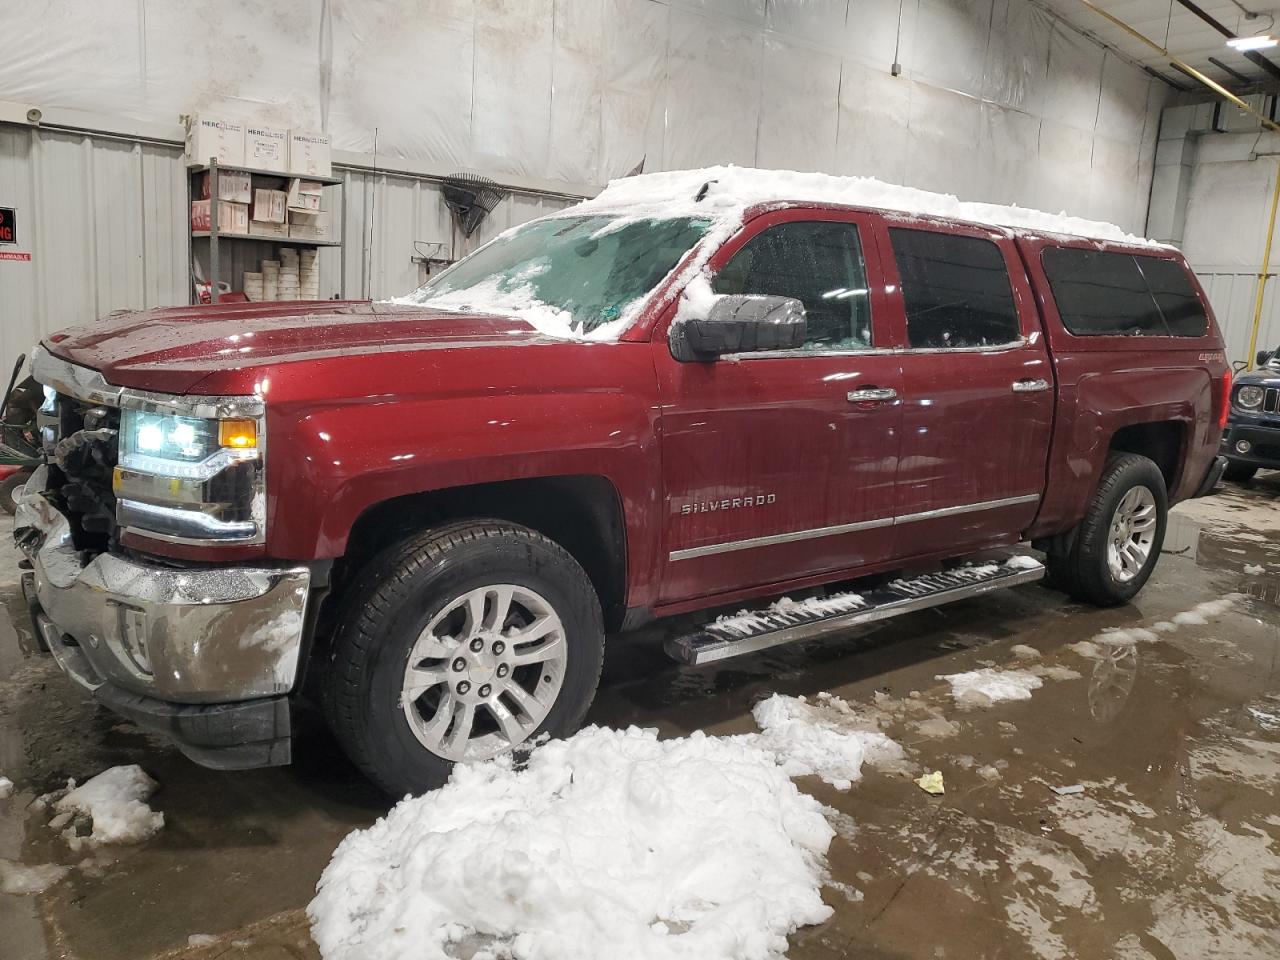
{"x":1030,"y":386}
{"x":872,"y":395}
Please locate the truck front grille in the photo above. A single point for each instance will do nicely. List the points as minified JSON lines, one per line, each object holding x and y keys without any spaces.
{"x":1271,"y":400}
{"x":81,"y":445}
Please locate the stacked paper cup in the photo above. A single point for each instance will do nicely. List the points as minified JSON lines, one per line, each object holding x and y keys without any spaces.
{"x":288,"y":273}
{"x":253,"y":285}
{"x":270,"y":279}
{"x":309,"y":274}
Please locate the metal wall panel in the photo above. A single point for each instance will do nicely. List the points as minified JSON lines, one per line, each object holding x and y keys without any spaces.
{"x":104,"y":221}
{"x":388,"y":221}
{"x":19,"y":289}
{"x":1233,"y":297}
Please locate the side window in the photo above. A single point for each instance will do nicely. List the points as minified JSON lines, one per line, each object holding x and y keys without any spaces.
{"x":1175,"y":296}
{"x":1101,"y":293}
{"x":955,"y":290}
{"x":817,"y":262}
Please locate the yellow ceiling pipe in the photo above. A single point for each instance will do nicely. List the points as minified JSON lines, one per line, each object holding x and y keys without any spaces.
{"x":1209,"y":82}
{"x":1220,"y":90}
{"x":1264,"y":274}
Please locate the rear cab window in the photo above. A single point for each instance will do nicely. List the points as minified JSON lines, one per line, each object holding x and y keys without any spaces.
{"x":955,"y":290}
{"x":1103,"y":293}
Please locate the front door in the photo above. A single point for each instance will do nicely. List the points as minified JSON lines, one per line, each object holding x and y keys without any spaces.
{"x":977,"y":390}
{"x":779,"y":466}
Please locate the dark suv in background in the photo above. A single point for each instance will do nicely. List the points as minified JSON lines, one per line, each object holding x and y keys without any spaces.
{"x":1252,"y":438}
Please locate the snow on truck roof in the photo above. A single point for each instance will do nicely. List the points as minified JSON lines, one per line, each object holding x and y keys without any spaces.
{"x":720,"y":197}
{"x":730,"y":191}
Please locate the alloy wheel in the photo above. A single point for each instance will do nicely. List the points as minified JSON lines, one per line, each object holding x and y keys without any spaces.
{"x":1132,"y":534}
{"x":485,"y":672}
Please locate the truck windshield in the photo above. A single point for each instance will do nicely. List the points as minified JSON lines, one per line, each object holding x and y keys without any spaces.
{"x":575,"y":273}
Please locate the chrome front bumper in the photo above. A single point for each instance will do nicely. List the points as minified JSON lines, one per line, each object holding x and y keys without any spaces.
{"x":181,"y":635}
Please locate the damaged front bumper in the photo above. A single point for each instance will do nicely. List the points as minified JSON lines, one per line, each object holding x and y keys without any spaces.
{"x":207,"y":655}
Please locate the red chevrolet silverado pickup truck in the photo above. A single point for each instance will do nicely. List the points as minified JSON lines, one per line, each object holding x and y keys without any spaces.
{"x":693,"y":391}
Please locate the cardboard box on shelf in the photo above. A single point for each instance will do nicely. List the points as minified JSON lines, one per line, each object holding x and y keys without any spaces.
{"x":232,"y":217}
{"x":261,"y":229}
{"x":305,"y":195}
{"x":211,"y":138}
{"x":236,"y":187}
{"x":309,"y":153}
{"x":310,"y":227}
{"x":268,"y":206}
{"x":266,"y":148}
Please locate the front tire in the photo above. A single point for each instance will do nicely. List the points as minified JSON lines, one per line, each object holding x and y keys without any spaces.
{"x":1237,"y":472}
{"x":1118,"y":542}
{"x":461,"y":643}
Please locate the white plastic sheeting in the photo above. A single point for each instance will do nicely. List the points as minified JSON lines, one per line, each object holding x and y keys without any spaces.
{"x":997,"y":100}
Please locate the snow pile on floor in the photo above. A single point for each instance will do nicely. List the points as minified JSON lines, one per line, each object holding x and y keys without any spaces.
{"x":745,"y":622}
{"x":817,"y":740}
{"x":1022,"y":561}
{"x":985,"y":686}
{"x":20,"y":879}
{"x":731,"y":190}
{"x":611,"y":843}
{"x":113,"y":803}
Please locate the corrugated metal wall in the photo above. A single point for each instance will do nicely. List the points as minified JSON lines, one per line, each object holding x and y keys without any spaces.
{"x":1233,"y":296}
{"x":104,"y":219}
{"x":389,"y":219}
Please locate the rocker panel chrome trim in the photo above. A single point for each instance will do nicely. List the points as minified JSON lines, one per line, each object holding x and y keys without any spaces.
{"x":730,"y":546}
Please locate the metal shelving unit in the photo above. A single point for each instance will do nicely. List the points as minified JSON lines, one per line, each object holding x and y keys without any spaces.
{"x":216,"y":238}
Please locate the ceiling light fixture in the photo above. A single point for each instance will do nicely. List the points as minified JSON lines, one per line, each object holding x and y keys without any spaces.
{"x":1259,"y":42}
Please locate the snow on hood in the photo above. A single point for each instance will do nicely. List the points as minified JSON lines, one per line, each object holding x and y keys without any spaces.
{"x":732,"y":190}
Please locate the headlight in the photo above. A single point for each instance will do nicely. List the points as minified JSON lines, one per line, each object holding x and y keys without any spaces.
{"x":1249,"y":397}
{"x":185,"y":447}
{"x":190,"y":479}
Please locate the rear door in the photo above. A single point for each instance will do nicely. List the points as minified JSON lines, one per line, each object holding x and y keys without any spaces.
{"x":977,"y":389}
{"x":779,"y":466}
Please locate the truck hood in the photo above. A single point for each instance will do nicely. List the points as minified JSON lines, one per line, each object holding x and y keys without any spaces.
{"x":172,"y":349}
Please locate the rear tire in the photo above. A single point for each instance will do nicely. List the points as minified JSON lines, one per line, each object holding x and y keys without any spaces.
{"x":1118,"y":542}
{"x":1237,"y":472}
{"x":428,"y":665}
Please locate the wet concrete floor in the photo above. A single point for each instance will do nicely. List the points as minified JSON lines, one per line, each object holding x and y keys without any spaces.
{"x":1172,"y":849}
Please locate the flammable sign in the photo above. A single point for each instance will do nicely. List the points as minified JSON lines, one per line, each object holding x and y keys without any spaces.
{"x":8,"y":226}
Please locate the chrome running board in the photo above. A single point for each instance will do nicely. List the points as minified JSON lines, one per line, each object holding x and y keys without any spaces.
{"x":786,"y":622}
